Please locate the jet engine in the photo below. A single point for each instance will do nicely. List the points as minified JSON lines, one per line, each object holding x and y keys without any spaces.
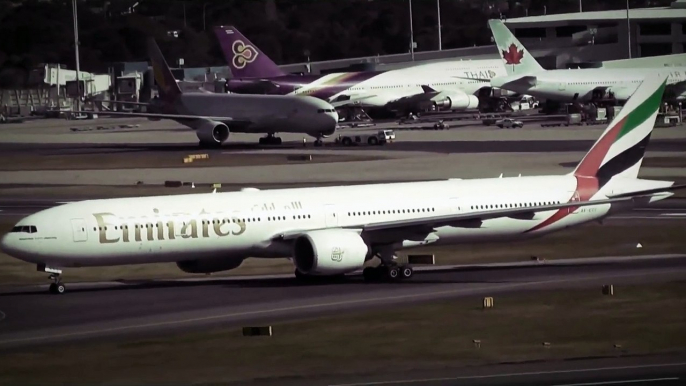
{"x":209,"y":265}
{"x":330,"y":252}
{"x":211,"y":133}
{"x":455,"y":101}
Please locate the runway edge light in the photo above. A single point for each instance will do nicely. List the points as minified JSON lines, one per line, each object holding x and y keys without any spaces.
{"x":488,"y":302}
{"x":608,"y":289}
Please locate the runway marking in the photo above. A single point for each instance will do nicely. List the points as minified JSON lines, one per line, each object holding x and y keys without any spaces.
{"x":317,"y":305}
{"x":526,"y":374}
{"x":630,"y":381}
{"x":673,"y":214}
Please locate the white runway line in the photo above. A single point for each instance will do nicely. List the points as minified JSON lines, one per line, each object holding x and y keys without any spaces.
{"x":591,"y":370}
{"x":625,"y":382}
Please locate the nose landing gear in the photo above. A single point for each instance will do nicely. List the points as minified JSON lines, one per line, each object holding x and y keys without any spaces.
{"x":56,"y":287}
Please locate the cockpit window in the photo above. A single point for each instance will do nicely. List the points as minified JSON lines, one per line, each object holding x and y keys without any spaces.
{"x":24,"y":229}
{"x":321,"y":111}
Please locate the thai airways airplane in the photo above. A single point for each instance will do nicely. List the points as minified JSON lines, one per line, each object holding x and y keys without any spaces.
{"x":441,"y":84}
{"x":526,"y":76}
{"x":215,"y":116}
{"x":334,"y":230}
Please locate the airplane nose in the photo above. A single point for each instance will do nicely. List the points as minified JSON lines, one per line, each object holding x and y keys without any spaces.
{"x":6,"y":244}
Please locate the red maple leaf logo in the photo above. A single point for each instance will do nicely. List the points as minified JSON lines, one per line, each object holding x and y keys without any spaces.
{"x":512,"y":55}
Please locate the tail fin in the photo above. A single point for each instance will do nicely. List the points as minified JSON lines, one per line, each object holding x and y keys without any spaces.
{"x":620,"y":150}
{"x":244,"y":58}
{"x":518,"y":61}
{"x":166,"y":83}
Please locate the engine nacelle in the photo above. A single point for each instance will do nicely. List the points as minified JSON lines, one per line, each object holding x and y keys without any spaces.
{"x":211,"y":133}
{"x":209,"y":265}
{"x":455,"y":101}
{"x":330,"y":252}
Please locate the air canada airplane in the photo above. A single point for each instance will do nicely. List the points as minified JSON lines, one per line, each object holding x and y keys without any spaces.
{"x":400,"y":90}
{"x":330,"y":231}
{"x":526,"y":76}
{"x":215,"y":116}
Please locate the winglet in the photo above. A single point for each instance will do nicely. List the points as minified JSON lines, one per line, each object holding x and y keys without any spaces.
{"x":166,"y":83}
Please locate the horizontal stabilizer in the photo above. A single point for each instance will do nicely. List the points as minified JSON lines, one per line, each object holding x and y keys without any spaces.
{"x":649,"y":192}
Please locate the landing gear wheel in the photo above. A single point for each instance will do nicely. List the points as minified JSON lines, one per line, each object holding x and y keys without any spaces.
{"x":318,"y":143}
{"x":393,"y":273}
{"x":57,"y":288}
{"x":270,"y":140}
{"x":406,"y":272}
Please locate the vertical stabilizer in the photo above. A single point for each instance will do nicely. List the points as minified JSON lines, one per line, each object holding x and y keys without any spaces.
{"x":620,"y":150}
{"x":243,"y":57}
{"x":166,"y":83}
{"x":517,"y":60}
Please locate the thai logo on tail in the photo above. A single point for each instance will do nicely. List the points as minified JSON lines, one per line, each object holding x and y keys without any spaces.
{"x":243,"y":54}
{"x":513,"y":55}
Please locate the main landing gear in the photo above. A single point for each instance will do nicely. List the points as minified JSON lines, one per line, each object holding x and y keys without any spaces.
{"x":56,"y":287}
{"x":270,"y":139}
{"x":387,"y":270}
{"x":384,"y":272}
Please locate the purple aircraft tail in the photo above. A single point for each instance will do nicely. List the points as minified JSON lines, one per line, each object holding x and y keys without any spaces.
{"x":243,"y":57}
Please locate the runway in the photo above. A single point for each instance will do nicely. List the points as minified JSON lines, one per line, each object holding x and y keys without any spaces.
{"x":100,"y":310}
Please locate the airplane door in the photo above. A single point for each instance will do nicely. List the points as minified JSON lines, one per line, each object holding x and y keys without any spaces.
{"x":78,"y":227}
{"x":562,"y":86}
{"x":330,"y":216}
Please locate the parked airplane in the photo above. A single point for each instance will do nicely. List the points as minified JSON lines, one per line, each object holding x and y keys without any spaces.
{"x":215,"y":116}
{"x":335,"y":230}
{"x":404,"y":90}
{"x":526,"y":76}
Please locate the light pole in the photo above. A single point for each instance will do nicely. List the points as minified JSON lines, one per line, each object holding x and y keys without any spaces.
{"x":76,"y":51}
{"x":580,"y":7}
{"x":203,"y":15}
{"x":411,"y":33}
{"x":628,"y":28}
{"x":438,"y":10}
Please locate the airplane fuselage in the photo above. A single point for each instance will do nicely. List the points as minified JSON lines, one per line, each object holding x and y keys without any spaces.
{"x":266,"y":113}
{"x":237,"y":225}
{"x":379,"y":88}
{"x":580,"y":84}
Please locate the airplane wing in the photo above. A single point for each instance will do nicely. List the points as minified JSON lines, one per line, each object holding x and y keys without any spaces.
{"x":159,"y":115}
{"x":463,"y":219}
{"x":527,"y":80}
{"x":351,"y":101}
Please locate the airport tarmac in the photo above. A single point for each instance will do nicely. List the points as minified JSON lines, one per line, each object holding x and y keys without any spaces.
{"x":469,"y":152}
{"x":100,"y":310}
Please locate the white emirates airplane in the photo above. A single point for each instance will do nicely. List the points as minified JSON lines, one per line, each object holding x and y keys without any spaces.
{"x":334,"y":230}
{"x":526,"y":76}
